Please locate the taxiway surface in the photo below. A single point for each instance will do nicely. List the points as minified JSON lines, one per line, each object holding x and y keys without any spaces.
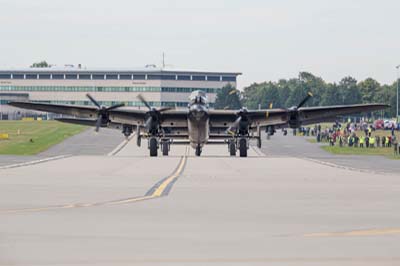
{"x":128,"y":209}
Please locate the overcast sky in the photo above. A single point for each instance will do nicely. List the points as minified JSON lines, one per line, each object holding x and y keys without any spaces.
{"x":263,"y":39}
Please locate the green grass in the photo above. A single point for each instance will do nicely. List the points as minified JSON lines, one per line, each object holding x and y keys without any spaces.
{"x":359,"y":151}
{"x":43,"y":134}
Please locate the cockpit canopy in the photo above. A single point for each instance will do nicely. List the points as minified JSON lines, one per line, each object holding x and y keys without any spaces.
{"x":198,"y":97}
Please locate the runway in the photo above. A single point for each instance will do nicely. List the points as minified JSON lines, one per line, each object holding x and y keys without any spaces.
{"x":125,"y":208}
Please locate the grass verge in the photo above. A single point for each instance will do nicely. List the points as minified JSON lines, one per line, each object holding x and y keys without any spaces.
{"x":32,"y":137}
{"x":388,"y":152}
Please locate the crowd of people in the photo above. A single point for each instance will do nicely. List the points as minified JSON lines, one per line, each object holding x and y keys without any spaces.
{"x":349,"y":136}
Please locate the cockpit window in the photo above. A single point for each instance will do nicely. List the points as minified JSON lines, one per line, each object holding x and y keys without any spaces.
{"x":198,"y":97}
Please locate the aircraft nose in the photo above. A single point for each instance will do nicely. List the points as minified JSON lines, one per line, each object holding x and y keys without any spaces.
{"x":198,"y":111}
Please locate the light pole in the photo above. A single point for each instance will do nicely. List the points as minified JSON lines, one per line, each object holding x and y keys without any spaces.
{"x":397,"y":99}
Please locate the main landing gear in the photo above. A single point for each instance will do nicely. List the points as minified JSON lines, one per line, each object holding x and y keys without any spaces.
{"x":155,"y":143}
{"x":153,"y":146}
{"x":241,"y":144}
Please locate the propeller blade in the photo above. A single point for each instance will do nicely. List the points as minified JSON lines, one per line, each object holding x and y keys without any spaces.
{"x":115,"y":106}
{"x":309,"y":95}
{"x":93,"y":100}
{"x":142,"y":99}
{"x":232,"y":91}
{"x":98,"y":123}
{"x":163,"y":109}
{"x":148,"y":121}
{"x":234,"y":124}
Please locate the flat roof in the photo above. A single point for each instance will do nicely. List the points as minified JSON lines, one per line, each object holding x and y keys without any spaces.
{"x":151,"y":70}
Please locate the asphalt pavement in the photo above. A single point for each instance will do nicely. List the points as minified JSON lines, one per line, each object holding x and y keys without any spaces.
{"x":130,"y":209}
{"x":297,"y":146}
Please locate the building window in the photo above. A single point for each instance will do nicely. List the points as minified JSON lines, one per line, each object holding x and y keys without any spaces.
{"x":5,"y":76}
{"x":153,"y":77}
{"x":31,"y":76}
{"x":112,"y":76}
{"x":98,"y":76}
{"x":71,"y":76}
{"x":227,"y":78}
{"x":198,"y":77}
{"x":84,"y":76}
{"x":183,"y":77}
{"x":213,"y":78}
{"x":18,"y":76}
{"x":58,"y":76}
{"x":168,"y":77}
{"x":140,"y":77}
{"x":44,"y":76}
{"x":125,"y":76}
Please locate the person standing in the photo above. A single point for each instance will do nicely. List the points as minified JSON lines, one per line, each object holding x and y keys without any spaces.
{"x":372,"y":142}
{"x":362,"y":140}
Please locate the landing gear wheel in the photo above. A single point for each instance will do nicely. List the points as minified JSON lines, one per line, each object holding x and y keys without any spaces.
{"x":165,"y":148}
{"x":138,"y":140}
{"x":232,"y":148}
{"x":259,"y":142}
{"x":198,"y":151}
{"x":153,"y":147}
{"x":243,"y":147}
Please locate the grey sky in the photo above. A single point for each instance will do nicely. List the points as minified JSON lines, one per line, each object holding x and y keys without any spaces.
{"x":266,"y":40}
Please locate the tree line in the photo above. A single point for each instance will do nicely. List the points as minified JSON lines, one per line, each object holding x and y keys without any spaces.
{"x":289,"y":92}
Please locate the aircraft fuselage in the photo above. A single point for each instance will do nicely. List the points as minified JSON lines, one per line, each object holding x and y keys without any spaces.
{"x":198,"y":120}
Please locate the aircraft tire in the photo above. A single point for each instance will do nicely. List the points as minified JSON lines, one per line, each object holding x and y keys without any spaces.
{"x":232,"y":148}
{"x":243,"y":147}
{"x":259,"y":142}
{"x":164,"y":148}
{"x":198,"y":151}
{"x":153,"y":147}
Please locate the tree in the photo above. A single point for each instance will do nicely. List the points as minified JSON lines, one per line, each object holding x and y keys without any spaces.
{"x":332,"y":95}
{"x":349,"y":91}
{"x":228,"y":98}
{"x":41,"y":64}
{"x":369,"y":89}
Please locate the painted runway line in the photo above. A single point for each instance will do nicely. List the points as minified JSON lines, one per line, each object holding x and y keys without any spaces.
{"x":367,"y":232}
{"x":160,"y":189}
{"x":34,"y":162}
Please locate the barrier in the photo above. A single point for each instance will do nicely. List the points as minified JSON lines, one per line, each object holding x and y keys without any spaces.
{"x":4,"y":136}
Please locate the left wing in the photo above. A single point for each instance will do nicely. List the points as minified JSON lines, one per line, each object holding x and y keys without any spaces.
{"x":284,"y":117}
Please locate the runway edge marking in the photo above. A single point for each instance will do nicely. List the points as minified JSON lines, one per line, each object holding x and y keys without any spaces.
{"x":160,"y":189}
{"x":48,"y":159}
{"x":349,"y":168}
{"x":120,"y":146}
{"x":366,"y":232}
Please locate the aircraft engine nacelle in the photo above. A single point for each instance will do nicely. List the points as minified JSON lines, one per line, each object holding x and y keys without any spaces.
{"x":293,"y":119}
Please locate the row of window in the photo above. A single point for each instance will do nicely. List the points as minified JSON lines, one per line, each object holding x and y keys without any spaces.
{"x":104,"y":89}
{"x":117,"y":77}
{"x":109,"y":103}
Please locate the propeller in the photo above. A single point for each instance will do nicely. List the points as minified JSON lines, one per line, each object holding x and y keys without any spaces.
{"x":309,"y":95}
{"x":153,"y":115}
{"x":241,"y":115}
{"x":102,"y":111}
{"x":294,"y":112}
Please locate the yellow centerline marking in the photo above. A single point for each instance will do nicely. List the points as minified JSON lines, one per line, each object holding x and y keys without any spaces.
{"x":156,"y":194}
{"x":370,"y":232}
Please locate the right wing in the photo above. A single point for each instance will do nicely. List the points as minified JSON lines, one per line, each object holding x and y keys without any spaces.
{"x":122,"y":115}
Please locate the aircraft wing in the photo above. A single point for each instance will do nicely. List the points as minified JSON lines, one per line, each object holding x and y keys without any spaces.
{"x":280,"y":117}
{"x":121,"y":115}
{"x":72,"y":110}
{"x":311,"y":115}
